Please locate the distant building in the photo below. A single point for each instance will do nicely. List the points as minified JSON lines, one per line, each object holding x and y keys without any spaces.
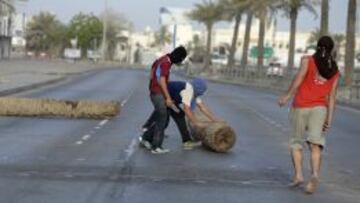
{"x":18,"y":32}
{"x":178,"y":24}
{"x":6,"y":11}
{"x":277,"y":40}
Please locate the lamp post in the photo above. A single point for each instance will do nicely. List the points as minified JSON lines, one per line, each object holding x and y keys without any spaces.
{"x":104,"y":39}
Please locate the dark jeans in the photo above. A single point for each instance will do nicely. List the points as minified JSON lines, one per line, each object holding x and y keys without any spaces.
{"x":179,"y":119}
{"x":159,"y":119}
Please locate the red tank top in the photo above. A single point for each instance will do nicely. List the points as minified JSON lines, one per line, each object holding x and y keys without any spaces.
{"x":313,"y":92}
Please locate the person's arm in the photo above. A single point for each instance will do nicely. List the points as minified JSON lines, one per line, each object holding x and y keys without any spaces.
{"x":331,"y":106}
{"x":299,"y":78}
{"x":164,"y":71}
{"x":165,"y":91}
{"x":206,"y":111}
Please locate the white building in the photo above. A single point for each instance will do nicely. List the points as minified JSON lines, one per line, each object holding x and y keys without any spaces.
{"x":5,"y":29}
{"x":178,"y":25}
{"x":19,"y":22}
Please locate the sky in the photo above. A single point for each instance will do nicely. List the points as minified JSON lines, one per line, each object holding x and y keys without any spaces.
{"x":146,"y":12}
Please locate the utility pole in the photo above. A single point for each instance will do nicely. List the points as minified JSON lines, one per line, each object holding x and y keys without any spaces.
{"x":104,"y":40}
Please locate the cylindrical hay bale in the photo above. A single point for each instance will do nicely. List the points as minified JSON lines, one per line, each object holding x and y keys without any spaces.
{"x":26,"y":107}
{"x":217,"y":136}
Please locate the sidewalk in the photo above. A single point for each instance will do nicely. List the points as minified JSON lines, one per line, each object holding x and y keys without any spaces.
{"x":22,"y":74}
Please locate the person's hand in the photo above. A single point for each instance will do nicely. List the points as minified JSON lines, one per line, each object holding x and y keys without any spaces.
{"x":218,"y":120}
{"x":283,"y":100}
{"x":326,"y":126}
{"x":200,"y":125}
{"x":169,"y":102}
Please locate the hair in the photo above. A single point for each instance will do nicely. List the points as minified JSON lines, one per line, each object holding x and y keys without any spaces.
{"x":178,"y":55}
{"x":324,"y":59}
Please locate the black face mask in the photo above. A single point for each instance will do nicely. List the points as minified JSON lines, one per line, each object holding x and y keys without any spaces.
{"x":178,"y":55}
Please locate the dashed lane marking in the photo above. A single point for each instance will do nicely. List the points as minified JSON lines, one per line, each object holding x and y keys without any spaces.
{"x":79,"y":142}
{"x":103,"y":122}
{"x":86,"y":137}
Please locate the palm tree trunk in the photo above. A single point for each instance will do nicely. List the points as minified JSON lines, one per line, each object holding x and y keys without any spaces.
{"x":324,"y":24}
{"x":208,"y":47}
{"x":244,"y":57}
{"x":260,"y":61}
{"x":234,"y":41}
{"x":293,"y":19}
{"x":350,"y":43}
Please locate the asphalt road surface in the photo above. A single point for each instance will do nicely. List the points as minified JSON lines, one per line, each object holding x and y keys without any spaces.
{"x":85,"y":161}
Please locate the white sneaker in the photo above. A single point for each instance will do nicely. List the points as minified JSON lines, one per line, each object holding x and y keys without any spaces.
{"x":144,"y":143}
{"x":160,"y":151}
{"x":190,"y":145}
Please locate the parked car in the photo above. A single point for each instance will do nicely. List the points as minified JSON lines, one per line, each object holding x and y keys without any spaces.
{"x":217,"y":59}
{"x":275,"y":69}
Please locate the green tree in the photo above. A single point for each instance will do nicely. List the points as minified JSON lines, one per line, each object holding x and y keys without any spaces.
{"x":208,"y":13}
{"x":350,"y":42}
{"x":235,"y":9}
{"x":292,"y":8}
{"x":45,"y":33}
{"x":162,"y":37}
{"x":324,"y":22}
{"x":87,"y":29}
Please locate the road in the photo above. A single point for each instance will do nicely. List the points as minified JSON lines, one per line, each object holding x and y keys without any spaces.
{"x":86,"y":161}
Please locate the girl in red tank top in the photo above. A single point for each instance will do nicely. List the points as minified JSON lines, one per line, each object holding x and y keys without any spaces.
{"x":314,"y":90}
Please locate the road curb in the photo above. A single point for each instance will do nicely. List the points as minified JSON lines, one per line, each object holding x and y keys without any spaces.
{"x":30,"y":87}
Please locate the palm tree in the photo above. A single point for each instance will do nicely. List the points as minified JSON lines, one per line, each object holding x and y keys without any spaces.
{"x":292,"y":8}
{"x":207,"y":13}
{"x":314,"y":36}
{"x":261,"y":9}
{"x":324,"y":23}
{"x":162,"y":37}
{"x":245,"y":50}
{"x":235,"y":9}
{"x":339,"y":41}
{"x":350,"y":42}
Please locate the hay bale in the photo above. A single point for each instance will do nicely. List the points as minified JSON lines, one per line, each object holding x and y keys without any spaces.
{"x":27,"y":107}
{"x":217,"y":136}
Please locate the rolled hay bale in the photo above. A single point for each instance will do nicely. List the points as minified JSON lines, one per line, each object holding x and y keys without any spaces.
{"x":217,"y":136}
{"x":31,"y":107}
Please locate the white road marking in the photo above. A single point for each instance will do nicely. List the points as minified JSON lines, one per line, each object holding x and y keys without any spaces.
{"x":353,"y":110}
{"x":97,"y":127}
{"x":86,"y":137}
{"x":127,"y":99}
{"x":123,"y":103}
{"x":79,"y":142}
{"x":131,"y":149}
{"x":103,"y":122}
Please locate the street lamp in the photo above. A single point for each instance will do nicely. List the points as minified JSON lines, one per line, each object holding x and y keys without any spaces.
{"x":167,"y":11}
{"x":103,"y":51}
